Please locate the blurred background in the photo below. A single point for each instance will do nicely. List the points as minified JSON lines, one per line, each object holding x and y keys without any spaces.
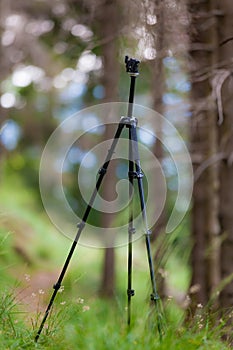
{"x":62,"y":56}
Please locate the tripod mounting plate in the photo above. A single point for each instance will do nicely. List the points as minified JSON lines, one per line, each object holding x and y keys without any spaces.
{"x":131,"y":65}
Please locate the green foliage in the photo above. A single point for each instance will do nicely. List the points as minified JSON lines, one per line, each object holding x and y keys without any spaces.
{"x":13,"y":334}
{"x":93,"y":323}
{"x":80,"y":320}
{"x":98,"y":325}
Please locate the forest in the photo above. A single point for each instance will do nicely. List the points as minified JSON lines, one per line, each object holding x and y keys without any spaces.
{"x":130,"y":258}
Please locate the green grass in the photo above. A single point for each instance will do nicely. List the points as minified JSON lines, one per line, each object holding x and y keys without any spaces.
{"x":98,"y":325}
{"x":94,"y":323}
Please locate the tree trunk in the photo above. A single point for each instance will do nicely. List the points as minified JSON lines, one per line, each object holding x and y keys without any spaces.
{"x":109,"y":27}
{"x":158,"y":88}
{"x":205,"y":226}
{"x":226,"y":147}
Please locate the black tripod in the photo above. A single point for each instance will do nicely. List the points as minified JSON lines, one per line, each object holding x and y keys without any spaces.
{"x":134,"y":173}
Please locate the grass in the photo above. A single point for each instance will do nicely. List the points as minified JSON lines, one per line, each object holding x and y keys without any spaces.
{"x":81,"y":320}
{"x":97,"y":326}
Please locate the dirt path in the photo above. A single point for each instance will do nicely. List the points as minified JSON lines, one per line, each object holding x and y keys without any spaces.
{"x":36,"y":289}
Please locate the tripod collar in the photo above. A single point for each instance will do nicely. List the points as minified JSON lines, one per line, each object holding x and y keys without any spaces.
{"x":129,"y":121}
{"x":133,"y":74}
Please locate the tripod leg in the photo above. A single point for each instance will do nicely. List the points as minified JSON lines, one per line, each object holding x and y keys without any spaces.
{"x":131,"y":230}
{"x":139,"y":175}
{"x":81,"y":225}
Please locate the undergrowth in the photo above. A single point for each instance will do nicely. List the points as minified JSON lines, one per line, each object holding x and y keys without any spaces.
{"x":99,"y":325}
{"x":79,"y":319}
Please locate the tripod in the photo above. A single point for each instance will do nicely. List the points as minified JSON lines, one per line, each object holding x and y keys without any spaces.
{"x":134,"y":173}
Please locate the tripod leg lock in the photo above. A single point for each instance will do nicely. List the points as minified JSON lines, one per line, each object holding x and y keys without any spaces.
{"x":140,"y":174}
{"x":132,"y":230}
{"x":57,"y":286}
{"x":81,"y":225}
{"x":102,"y":171}
{"x":154,"y":296}
{"x":130,"y":292}
{"x":135,"y":174}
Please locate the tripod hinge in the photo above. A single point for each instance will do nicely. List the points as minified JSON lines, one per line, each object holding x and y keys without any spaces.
{"x":154,"y":296}
{"x":135,"y":174}
{"x":129,"y":121}
{"x":130,"y":292}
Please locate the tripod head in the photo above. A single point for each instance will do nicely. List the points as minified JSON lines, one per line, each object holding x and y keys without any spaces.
{"x":131,"y":65}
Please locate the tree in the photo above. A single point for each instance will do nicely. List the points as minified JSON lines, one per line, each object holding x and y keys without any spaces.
{"x":158,"y":89}
{"x":224,"y":97}
{"x":205,"y":229}
{"x":108,"y":29}
{"x":211,"y":139}
{"x":165,"y":32}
